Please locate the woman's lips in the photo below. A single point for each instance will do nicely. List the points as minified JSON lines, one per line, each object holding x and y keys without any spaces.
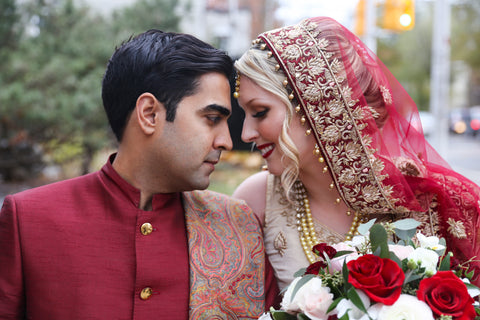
{"x":266,"y":149}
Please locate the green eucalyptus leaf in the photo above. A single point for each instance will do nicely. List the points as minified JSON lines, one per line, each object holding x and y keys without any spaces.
{"x":406,"y":224}
{"x":300,"y":283}
{"x":300,"y":272}
{"x":355,"y":299}
{"x":302,"y":316}
{"x":413,"y":277}
{"x":364,"y":227}
{"x":405,"y":235}
{"x":406,"y":229}
{"x":342,"y":253}
{"x":379,"y":240}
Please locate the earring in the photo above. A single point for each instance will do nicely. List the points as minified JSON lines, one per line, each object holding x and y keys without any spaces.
{"x":236,"y":94}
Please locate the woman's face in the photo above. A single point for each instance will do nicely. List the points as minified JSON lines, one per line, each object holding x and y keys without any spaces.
{"x":264,"y":117}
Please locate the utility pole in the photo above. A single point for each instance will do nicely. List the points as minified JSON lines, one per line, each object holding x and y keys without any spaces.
{"x":370,"y":37}
{"x":440,"y":74}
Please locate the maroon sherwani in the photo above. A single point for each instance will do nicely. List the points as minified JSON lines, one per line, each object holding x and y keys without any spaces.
{"x":81,"y":249}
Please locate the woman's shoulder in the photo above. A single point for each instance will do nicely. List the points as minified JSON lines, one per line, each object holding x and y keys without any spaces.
{"x":253,"y":190}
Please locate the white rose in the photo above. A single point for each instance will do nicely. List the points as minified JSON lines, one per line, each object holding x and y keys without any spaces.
{"x":287,"y":304}
{"x":346,"y":306}
{"x":426,"y":258}
{"x":314,"y":299}
{"x":429,"y":242}
{"x":406,"y":307}
{"x":358,"y":241}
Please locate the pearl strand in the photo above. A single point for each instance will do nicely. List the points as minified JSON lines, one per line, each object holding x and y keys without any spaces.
{"x":306,"y":226}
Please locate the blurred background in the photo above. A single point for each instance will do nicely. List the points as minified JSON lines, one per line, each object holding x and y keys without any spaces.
{"x":53,"y":54}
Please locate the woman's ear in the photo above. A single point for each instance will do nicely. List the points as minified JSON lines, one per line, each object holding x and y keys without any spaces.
{"x":150,"y":113}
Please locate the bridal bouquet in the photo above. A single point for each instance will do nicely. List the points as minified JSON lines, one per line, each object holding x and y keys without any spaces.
{"x":374,"y":278}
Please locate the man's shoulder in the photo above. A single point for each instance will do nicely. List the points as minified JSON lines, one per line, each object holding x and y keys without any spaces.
{"x":59,"y":188}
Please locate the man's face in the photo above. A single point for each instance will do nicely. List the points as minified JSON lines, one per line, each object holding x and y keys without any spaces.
{"x":190,"y":146}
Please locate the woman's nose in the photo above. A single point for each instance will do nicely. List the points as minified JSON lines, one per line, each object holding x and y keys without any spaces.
{"x":249,"y":132}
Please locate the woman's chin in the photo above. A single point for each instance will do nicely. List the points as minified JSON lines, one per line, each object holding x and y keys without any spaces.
{"x":274,"y":169}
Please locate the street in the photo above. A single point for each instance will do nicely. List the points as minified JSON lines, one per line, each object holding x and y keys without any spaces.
{"x":464,"y":155}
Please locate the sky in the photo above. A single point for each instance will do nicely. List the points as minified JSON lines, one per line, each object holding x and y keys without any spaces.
{"x":290,"y":11}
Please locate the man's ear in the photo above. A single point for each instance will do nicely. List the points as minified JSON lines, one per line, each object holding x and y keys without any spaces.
{"x":150,"y":113}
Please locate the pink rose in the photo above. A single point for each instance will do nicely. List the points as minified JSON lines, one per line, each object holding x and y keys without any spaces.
{"x":402,"y":252}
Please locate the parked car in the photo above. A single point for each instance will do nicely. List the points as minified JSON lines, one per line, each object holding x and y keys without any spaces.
{"x":459,"y":121}
{"x":475,"y":120}
{"x":465,"y":121}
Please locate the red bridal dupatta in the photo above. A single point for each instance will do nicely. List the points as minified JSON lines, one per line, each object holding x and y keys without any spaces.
{"x":379,"y":160}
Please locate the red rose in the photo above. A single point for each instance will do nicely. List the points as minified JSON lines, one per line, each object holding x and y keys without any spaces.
{"x":447,"y":295}
{"x":381,"y":279}
{"x":322,"y":248}
{"x":315,"y":267}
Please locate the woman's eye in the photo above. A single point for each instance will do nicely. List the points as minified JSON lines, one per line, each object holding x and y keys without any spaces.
{"x":260,"y":114}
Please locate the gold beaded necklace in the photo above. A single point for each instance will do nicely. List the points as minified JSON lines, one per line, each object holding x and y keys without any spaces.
{"x":306,"y":226}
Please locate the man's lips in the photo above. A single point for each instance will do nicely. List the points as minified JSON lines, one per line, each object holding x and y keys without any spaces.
{"x":212,"y":163}
{"x":266,"y":149}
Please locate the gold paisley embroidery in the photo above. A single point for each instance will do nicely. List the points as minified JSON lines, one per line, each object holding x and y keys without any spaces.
{"x":387,"y":96}
{"x":456,"y":228}
{"x":280,"y":243}
{"x":407,"y":167}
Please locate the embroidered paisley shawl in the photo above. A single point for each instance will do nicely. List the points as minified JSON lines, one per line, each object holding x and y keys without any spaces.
{"x":226,"y":258}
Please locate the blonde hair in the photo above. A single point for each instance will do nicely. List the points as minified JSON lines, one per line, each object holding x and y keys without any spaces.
{"x":255,"y":65}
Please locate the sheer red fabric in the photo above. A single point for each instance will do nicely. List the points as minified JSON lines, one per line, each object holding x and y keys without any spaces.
{"x":366,"y":126}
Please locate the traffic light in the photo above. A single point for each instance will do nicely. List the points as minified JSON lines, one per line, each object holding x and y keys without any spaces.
{"x":399,"y":15}
{"x":359,"y":28}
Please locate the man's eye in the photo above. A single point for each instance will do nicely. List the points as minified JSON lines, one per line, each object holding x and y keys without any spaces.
{"x":260,"y":114}
{"x":214,"y":119}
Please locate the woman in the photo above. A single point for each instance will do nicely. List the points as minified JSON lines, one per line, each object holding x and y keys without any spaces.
{"x":336,"y":131}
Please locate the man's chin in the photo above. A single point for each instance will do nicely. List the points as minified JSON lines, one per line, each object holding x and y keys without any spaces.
{"x":201,"y":185}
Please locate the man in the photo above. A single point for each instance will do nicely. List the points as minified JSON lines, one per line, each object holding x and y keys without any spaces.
{"x":133,"y":241}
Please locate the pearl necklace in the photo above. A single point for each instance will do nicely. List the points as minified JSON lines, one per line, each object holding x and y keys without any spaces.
{"x":306,"y":226}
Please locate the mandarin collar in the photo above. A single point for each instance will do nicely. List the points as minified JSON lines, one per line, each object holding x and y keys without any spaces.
{"x":116,"y":184}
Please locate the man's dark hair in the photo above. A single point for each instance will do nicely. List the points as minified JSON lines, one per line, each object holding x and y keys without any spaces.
{"x":166,"y":64}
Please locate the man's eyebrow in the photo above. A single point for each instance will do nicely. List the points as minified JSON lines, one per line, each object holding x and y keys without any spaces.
{"x":218,"y":108}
